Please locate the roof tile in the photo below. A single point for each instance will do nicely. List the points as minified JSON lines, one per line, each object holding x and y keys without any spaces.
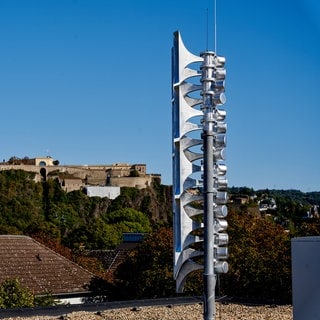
{"x":39,"y":268}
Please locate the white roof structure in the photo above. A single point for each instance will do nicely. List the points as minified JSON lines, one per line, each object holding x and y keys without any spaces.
{"x":102,"y":191}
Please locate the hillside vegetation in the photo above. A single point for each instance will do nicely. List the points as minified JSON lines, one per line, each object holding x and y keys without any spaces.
{"x":72,"y":223}
{"x":74,"y":219}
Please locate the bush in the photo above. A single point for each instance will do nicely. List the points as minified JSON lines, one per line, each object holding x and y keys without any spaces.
{"x":13,"y":295}
{"x":147,"y":273}
{"x":259,"y":261}
{"x":46,"y":300}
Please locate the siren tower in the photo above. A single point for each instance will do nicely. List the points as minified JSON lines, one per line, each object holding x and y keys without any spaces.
{"x":199,"y":169}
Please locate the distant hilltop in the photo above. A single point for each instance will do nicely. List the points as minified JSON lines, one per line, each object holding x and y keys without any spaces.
{"x":76,"y":177}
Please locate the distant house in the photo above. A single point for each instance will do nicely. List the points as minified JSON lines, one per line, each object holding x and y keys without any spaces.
{"x":267,"y":204}
{"x":42,"y":270}
{"x":240,"y":199}
{"x":71,"y":184}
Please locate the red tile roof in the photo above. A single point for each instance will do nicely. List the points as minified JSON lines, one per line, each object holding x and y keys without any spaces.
{"x":39,"y":268}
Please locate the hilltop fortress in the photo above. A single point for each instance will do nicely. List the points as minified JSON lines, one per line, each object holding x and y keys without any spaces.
{"x":76,"y":177}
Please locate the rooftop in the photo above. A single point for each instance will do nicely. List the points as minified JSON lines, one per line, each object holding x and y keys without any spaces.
{"x":39,"y":268}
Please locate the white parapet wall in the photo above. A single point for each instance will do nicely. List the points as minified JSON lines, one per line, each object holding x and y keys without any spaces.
{"x":102,"y":191}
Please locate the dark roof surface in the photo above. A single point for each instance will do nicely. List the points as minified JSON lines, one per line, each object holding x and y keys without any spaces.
{"x":39,"y":268}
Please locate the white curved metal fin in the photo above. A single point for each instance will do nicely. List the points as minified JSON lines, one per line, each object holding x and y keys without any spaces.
{"x":183,"y":57}
{"x":182,"y":111}
{"x":187,"y":87}
{"x":188,"y":127}
{"x":187,"y":111}
{"x":191,"y":211}
{"x":196,"y":168}
{"x":187,"y":142}
{"x":191,"y":183}
{"x":185,"y":170}
{"x":193,"y":101}
{"x":187,"y":197}
{"x":188,"y":73}
{"x":186,"y":254}
{"x":188,"y":267}
{"x":191,"y":239}
{"x":192,"y":156}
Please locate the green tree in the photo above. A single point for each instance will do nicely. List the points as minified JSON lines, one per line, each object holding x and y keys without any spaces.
{"x":20,"y":201}
{"x":147,"y":273}
{"x":95,"y":235}
{"x":259,"y":261}
{"x":128,"y":220}
{"x":46,"y":300}
{"x":13,"y":295}
{"x":127,"y":199}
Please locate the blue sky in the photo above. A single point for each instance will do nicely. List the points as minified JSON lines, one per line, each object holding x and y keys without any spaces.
{"x":89,"y":82}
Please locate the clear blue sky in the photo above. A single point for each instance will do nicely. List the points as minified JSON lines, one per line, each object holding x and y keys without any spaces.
{"x":89,"y":82}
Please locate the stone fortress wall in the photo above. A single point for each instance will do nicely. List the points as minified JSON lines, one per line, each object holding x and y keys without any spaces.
{"x":75,"y":177}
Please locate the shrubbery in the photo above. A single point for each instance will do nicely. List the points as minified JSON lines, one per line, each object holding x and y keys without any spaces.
{"x":259,"y":247}
{"x":13,"y":295}
{"x":259,"y":264}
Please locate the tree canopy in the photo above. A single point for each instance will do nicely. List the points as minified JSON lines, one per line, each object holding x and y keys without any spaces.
{"x":71,"y":222}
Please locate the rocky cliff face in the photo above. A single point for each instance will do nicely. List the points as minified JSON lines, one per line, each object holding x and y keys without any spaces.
{"x":155,"y":201}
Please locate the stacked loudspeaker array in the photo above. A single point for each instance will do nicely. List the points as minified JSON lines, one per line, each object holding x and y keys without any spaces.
{"x":197,"y":94}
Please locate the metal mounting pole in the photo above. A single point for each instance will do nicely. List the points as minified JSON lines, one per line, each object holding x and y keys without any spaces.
{"x":208,"y":274}
{"x":208,"y":183}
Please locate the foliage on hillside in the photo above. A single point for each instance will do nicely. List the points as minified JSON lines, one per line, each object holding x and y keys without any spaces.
{"x":20,"y":202}
{"x":297,"y":196}
{"x":71,"y":222}
{"x":45,"y":211}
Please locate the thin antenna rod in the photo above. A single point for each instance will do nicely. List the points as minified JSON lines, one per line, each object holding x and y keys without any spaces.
{"x":215,"y":24}
{"x":207,"y":38}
